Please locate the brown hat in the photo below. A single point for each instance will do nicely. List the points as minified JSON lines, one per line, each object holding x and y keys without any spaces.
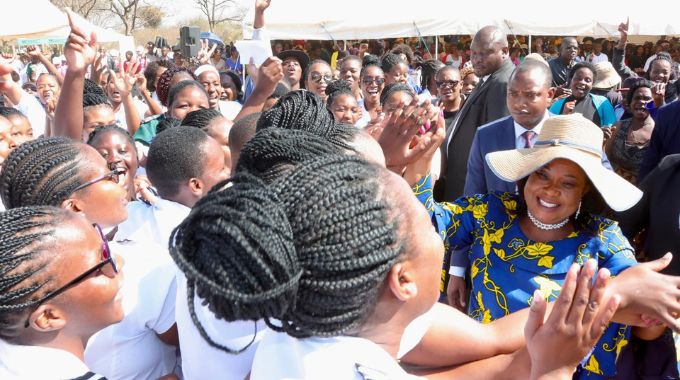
{"x":607,"y":77}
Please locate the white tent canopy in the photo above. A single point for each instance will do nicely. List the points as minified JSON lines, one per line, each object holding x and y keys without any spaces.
{"x":370,"y":19}
{"x":40,"y":19}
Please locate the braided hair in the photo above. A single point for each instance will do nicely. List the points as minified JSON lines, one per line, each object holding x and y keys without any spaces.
{"x":389,"y":61}
{"x":167,"y":123}
{"x":392,"y":88}
{"x":152,"y":69}
{"x":310,"y":248}
{"x":429,"y":70}
{"x":26,"y":246}
{"x":94,"y":96}
{"x":163,"y":84}
{"x":41,"y":172}
{"x":301,"y":110}
{"x":201,"y":118}
{"x":91,"y":87}
{"x":337,"y":88}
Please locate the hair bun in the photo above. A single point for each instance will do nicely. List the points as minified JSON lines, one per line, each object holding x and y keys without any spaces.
{"x":242,"y":264}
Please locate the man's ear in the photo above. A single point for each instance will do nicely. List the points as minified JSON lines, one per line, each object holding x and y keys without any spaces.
{"x":47,"y":318}
{"x":401,"y":282}
{"x":196,"y":186}
{"x":72,"y":204}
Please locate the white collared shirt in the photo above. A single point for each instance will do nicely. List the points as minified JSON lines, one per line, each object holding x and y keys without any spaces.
{"x":153,"y":223}
{"x":33,"y":362}
{"x":519,"y":131}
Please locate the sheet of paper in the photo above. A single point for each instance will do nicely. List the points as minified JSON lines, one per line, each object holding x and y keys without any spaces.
{"x":258,"y":50}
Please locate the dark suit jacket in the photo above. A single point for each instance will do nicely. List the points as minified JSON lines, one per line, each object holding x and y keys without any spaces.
{"x":665,"y":138}
{"x":485,"y":104}
{"x":493,"y":137}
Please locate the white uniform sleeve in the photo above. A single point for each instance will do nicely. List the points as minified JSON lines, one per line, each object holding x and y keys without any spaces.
{"x":31,"y":107}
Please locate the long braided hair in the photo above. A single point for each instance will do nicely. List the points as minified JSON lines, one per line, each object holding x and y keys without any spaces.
{"x":201,"y":118}
{"x":26,"y":243}
{"x":41,"y":172}
{"x":303,"y":110}
{"x":310,"y":248}
{"x":163,"y":84}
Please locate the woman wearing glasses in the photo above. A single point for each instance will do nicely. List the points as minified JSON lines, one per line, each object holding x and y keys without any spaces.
{"x":317,"y":77}
{"x":372,"y":84}
{"x":61,"y":172}
{"x":449,"y":86}
{"x":60,"y":285}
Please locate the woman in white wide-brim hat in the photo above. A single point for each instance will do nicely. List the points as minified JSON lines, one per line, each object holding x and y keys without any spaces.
{"x":520,"y":243}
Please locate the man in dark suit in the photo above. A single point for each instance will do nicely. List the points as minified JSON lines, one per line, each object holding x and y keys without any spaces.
{"x":528,"y":96}
{"x":665,"y":138}
{"x":489,"y":56}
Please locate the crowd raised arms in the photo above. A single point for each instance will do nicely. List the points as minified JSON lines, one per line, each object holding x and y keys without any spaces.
{"x":365,"y":212}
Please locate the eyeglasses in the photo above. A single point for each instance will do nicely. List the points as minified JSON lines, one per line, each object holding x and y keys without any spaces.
{"x":112,"y":176}
{"x":107,"y":258}
{"x":447,"y":83}
{"x":317,"y":77}
{"x":368,"y":80}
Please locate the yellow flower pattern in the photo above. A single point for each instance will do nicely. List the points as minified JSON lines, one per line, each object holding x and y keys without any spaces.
{"x":506,"y":267}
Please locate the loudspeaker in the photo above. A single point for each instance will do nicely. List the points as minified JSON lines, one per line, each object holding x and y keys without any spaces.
{"x":189,"y":41}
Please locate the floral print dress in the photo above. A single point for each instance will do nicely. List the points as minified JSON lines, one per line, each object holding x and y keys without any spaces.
{"x":507,"y":267}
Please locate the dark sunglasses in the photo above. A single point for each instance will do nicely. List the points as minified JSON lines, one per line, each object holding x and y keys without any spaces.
{"x":107,"y":258}
{"x":447,"y":83}
{"x":112,"y":176}
{"x":368,"y":80}
{"x":317,"y":77}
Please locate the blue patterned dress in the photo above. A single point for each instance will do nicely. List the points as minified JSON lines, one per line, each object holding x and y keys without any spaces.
{"x":507,"y":267}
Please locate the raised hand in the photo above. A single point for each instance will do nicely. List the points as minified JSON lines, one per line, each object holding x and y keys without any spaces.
{"x":569,"y":107}
{"x":125,"y":80}
{"x":34,"y":51}
{"x":262,"y":5}
{"x":269,"y":75}
{"x":80,"y":50}
{"x":578,"y":320}
{"x":141,"y":82}
{"x":623,"y":33}
{"x":398,"y":131}
{"x":659,"y":94}
{"x":205,"y":52}
{"x":9,"y":56}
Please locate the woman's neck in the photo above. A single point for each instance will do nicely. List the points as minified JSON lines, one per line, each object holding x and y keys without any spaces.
{"x":641,"y":123}
{"x":385,"y":332}
{"x":536,"y":234}
{"x":369,"y":104}
{"x":59,"y":341}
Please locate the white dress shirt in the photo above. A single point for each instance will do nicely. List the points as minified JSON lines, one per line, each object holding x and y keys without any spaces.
{"x":519,"y":131}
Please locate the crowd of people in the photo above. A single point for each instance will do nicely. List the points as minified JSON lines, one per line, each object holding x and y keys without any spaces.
{"x":364,"y":212}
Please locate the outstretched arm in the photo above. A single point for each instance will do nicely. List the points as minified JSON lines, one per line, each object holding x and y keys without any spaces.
{"x":80,"y":51}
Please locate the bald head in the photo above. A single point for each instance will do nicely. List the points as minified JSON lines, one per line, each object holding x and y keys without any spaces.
{"x":491,"y":36}
{"x":539,"y":73}
{"x":489,"y":50}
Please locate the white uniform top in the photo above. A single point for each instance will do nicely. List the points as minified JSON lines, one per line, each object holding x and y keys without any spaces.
{"x":199,"y":359}
{"x":131,"y":348}
{"x":33,"y":362}
{"x":152,"y":224}
{"x":280,"y":356}
{"x":229,"y":109}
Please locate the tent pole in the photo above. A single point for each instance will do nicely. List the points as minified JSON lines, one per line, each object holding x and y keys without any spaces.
{"x":530,"y":44}
{"x":436,"y":47}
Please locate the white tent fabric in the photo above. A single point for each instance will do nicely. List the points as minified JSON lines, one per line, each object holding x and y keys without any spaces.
{"x":36,"y":19}
{"x":370,"y":19}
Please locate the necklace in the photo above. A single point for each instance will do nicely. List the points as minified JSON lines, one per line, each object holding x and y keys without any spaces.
{"x":546,"y":226}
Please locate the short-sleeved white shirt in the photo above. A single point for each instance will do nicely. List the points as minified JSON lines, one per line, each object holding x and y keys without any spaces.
{"x":33,"y":362}
{"x":131,"y":348}
{"x":280,"y":356}
{"x":199,"y":359}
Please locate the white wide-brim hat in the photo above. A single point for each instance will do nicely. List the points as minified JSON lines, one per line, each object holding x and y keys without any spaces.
{"x":574,"y":138}
{"x":607,"y":77}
